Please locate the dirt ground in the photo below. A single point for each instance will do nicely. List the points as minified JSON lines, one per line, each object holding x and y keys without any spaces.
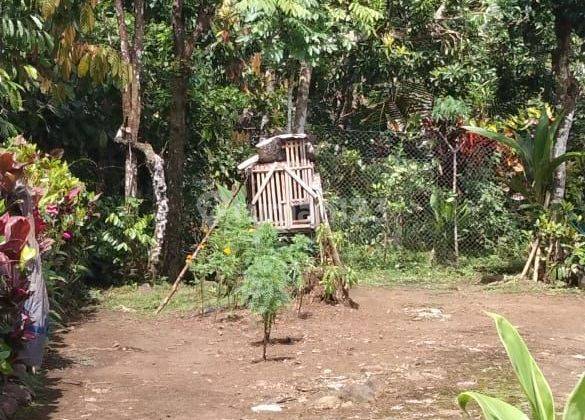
{"x":404,"y":354}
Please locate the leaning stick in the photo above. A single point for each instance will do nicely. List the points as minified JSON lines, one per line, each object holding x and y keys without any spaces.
{"x":531,"y":255}
{"x":192,"y":256}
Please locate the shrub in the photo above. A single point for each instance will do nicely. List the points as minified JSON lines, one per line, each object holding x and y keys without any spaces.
{"x":122,"y":238}
{"x":20,"y":322}
{"x":264,"y":290}
{"x":253,"y":263}
{"x":64,"y":210}
{"x":225,"y":256}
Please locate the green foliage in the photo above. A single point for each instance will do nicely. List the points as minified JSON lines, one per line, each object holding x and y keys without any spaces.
{"x":335,"y":278}
{"x":492,"y":408}
{"x":450,"y":109}
{"x":235,"y":245}
{"x":264,"y":289}
{"x":448,"y":213}
{"x":226,"y":254}
{"x":64,"y":213}
{"x":42,"y":50}
{"x":298,"y":257}
{"x":535,"y":153}
{"x":22,"y":32}
{"x":532,"y":381}
{"x":564,"y":228}
{"x":251,"y":262}
{"x":303,"y":29}
{"x":122,"y":239}
{"x":5,"y":352}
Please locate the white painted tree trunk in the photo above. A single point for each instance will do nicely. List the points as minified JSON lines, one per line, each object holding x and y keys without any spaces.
{"x":560,"y":177}
{"x":159,"y":187}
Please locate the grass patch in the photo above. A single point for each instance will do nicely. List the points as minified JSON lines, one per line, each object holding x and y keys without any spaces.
{"x":141,"y":300}
{"x":423,"y":273}
{"x":418,"y":269}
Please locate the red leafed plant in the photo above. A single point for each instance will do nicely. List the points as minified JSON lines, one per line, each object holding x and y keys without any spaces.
{"x":15,"y":229}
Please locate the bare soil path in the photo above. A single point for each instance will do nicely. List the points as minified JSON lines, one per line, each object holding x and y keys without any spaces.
{"x":404,"y":354}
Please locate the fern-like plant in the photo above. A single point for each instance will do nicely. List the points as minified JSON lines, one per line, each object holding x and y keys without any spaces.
{"x":264,"y":289}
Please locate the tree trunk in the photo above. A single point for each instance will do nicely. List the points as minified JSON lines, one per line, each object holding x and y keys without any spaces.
{"x":566,"y":95}
{"x":302,"y":102}
{"x":183,"y":47}
{"x":131,"y":99}
{"x":130,"y":174}
{"x":289,"y":106}
{"x":269,"y":77}
{"x":159,"y":186}
{"x":173,"y":258}
{"x":455,"y":195}
{"x":129,"y":132}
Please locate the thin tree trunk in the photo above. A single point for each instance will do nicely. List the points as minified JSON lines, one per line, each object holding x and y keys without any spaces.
{"x":131,"y":99}
{"x":567,"y":91}
{"x":302,"y":102}
{"x":156,"y":167}
{"x":289,"y":106}
{"x":269,"y":80}
{"x":455,"y":218}
{"x":183,"y":45}
{"x":129,"y":132}
{"x":130,"y":174}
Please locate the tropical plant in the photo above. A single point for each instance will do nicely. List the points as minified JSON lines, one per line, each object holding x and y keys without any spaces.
{"x":120,"y":241}
{"x":447,"y":214}
{"x":563,"y":229}
{"x":534,"y":182}
{"x":532,"y":381}
{"x":535,"y":151}
{"x":400,"y":182}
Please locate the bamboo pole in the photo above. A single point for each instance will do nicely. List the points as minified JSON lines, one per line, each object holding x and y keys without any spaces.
{"x":535,"y":246}
{"x":192,"y":256}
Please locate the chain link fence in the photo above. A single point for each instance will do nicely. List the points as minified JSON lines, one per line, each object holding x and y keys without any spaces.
{"x":387,"y":193}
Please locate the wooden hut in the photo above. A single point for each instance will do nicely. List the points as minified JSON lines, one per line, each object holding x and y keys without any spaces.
{"x":283,"y":187}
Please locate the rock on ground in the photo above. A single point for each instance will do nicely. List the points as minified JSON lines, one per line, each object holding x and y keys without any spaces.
{"x":358,"y":393}
{"x":328,"y":402}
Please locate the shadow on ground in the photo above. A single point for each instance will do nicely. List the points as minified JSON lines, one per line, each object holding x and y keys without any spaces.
{"x":48,"y":390}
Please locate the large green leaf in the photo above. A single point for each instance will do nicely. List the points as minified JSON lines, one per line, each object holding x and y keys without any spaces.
{"x":564,"y":158}
{"x":529,"y":375}
{"x":575,"y":407}
{"x":500,"y":138}
{"x":492,"y":408}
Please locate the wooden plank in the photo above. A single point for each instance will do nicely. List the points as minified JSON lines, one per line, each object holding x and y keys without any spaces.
{"x":302,"y":183}
{"x":287,"y":153}
{"x":288,"y":186}
{"x":264,"y":183}
{"x":274,"y":195}
{"x":259,"y":181}
{"x":251,"y":193}
{"x":278,"y":194}
{"x":303,"y":148}
{"x":298,"y":191}
{"x":268,"y":194}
